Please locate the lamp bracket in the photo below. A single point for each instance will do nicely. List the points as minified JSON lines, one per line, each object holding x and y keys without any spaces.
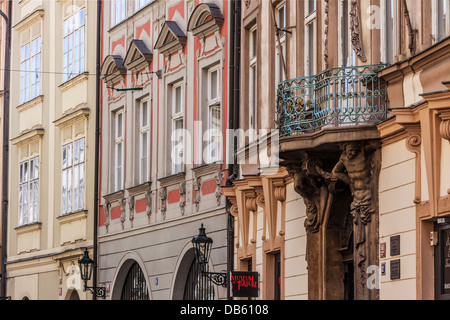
{"x":218,"y":278}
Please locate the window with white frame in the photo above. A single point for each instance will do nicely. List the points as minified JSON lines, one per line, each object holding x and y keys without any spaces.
{"x":73,"y":176}
{"x":28,"y":191}
{"x":214,"y":136}
{"x":310,"y":36}
{"x":118,"y":11}
{"x":141,"y":3}
{"x":280,"y":18}
{"x":390,"y":32}
{"x":441,"y":23}
{"x":30,"y":66}
{"x":347,"y":55}
{"x":118,"y":150}
{"x":177,"y":127}
{"x":144,"y":138}
{"x":252,"y":74}
{"x":74,"y":45}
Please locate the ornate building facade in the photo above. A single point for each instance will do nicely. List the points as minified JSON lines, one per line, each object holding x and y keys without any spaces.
{"x":165,"y":105}
{"x":357,"y":207}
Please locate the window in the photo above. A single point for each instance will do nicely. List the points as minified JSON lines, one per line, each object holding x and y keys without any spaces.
{"x":30,"y":66}
{"x":347,"y":54}
{"x":119,"y":11}
{"x":73,"y":165}
{"x":280,"y":17}
{"x":390,"y":31}
{"x":310,"y":36}
{"x":177,"y":128}
{"x":28,"y":191}
{"x":252,"y":82}
{"x":442,"y":261}
{"x":74,"y":45}
{"x":118,"y":150}
{"x":141,"y":3}
{"x":441,"y":18}
{"x":214,"y":118}
{"x":144,"y":134}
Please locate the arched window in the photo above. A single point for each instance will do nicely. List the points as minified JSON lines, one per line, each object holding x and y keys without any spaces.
{"x":198,"y":286}
{"x":135,"y":286}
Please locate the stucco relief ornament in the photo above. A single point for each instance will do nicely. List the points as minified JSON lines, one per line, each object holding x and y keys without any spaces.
{"x":131,"y":204}
{"x":107,"y":208}
{"x":247,"y":3}
{"x":148,"y":197}
{"x":219,"y":178}
{"x":163,"y":198}
{"x":197,"y":188}
{"x":182,"y":196}
{"x":327,"y":20}
{"x":122,"y":203}
{"x":355,"y":30}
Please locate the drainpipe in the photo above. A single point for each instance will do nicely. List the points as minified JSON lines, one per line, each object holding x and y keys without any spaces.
{"x":97,"y":141}
{"x":234,"y":74}
{"x":5,"y":147}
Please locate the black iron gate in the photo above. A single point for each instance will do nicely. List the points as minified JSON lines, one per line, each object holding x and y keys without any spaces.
{"x":135,"y":286}
{"x":198,"y":286}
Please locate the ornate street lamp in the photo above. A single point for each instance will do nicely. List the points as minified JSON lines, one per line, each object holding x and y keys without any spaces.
{"x":86,"y":268}
{"x":202,"y":247}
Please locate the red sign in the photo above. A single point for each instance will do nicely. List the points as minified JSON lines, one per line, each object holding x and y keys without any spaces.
{"x":244,"y":284}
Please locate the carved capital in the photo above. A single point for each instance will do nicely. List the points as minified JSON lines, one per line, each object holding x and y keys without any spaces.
{"x":148,"y":197}
{"x":445,"y":129}
{"x":182,"y":202}
{"x":163,"y":200}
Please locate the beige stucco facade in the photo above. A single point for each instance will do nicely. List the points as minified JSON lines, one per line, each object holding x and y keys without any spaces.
{"x":46,"y":239}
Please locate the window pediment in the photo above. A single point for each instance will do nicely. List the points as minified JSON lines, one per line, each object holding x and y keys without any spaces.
{"x":113,"y":69}
{"x":205,"y":19}
{"x":171,"y":38}
{"x":138,"y":56}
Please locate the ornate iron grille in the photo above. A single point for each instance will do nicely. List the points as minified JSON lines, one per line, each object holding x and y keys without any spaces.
{"x":135,"y":286}
{"x":198,"y":286}
{"x":335,"y":97}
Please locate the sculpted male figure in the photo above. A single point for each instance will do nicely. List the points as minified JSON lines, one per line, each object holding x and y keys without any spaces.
{"x":354,"y":168}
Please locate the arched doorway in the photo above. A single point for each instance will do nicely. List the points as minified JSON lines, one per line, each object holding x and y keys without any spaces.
{"x":135,"y":285}
{"x":198,"y":286}
{"x":74,"y":295}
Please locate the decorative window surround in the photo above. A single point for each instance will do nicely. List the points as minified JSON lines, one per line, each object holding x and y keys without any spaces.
{"x":72,"y":117}
{"x":73,"y":226}
{"x":28,"y":237}
{"x":170,"y":39}
{"x":28,"y":137}
{"x":29,"y":20}
{"x":30,"y":104}
{"x":138,"y":56}
{"x":169,"y":181}
{"x":72,"y":82}
{"x":113,"y":70}
{"x":117,"y":196}
{"x":205,"y":20}
{"x":135,"y":191}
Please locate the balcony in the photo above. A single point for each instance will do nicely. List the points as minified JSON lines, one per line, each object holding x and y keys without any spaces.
{"x":334,"y":98}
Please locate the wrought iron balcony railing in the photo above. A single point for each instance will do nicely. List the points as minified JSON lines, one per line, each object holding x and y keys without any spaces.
{"x":336,"y":97}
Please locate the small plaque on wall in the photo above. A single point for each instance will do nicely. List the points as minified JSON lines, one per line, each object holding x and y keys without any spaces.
{"x":395,"y":245}
{"x":395,"y":269}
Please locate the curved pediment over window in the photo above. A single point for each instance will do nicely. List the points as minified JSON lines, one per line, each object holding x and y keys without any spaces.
{"x":205,"y":19}
{"x":171,"y":38}
{"x":138,"y":56}
{"x":113,"y":69}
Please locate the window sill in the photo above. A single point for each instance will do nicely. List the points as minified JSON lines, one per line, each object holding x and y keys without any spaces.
{"x":140,"y":188}
{"x":72,"y":216}
{"x":70,"y":83}
{"x":30,"y":103}
{"x":172,"y":179}
{"x":27,"y":228}
{"x":115,"y":196}
{"x":206,"y":169}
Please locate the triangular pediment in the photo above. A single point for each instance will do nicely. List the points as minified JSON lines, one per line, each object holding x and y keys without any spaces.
{"x":205,"y":19}
{"x":113,"y":69}
{"x":138,"y":56}
{"x":171,"y":38}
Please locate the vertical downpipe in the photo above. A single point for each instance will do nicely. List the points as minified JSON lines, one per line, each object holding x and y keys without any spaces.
{"x":5,"y":149}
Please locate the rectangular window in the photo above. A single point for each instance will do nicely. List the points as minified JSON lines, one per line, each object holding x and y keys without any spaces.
{"x":310,"y":37}
{"x":214,"y":116}
{"x":252,"y":83}
{"x":73,"y":166}
{"x":144,"y":137}
{"x":119,"y":11}
{"x":30,"y":66}
{"x":442,"y":19}
{"x":280,"y":17}
{"x":74,"y":45}
{"x":177,"y":128}
{"x":118,"y":150}
{"x":28,"y":191}
{"x":141,"y":3}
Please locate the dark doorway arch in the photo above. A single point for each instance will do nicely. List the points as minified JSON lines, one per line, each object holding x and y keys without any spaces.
{"x":135,"y":285}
